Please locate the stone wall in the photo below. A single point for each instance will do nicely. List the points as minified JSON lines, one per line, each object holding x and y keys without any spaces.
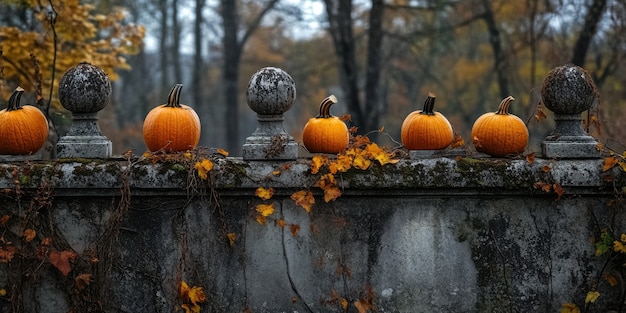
{"x":446,"y":234}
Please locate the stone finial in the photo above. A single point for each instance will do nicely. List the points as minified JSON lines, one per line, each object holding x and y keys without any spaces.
{"x":568,"y":91}
{"x":271,"y":92}
{"x":84,"y":90}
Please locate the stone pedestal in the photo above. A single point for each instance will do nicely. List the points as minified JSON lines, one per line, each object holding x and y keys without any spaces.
{"x":271,"y":92}
{"x":84,"y":90}
{"x":568,"y":91}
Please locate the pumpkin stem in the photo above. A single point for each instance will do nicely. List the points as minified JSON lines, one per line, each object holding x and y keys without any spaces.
{"x":325,"y":106}
{"x":429,"y":104}
{"x":173,"y":99}
{"x":14,"y":100}
{"x":503,"y":108}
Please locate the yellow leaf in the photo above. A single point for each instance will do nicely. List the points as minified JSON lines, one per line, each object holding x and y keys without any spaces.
{"x":261,"y":219}
{"x":592,"y":296}
{"x":183,"y":291}
{"x":188,"y":155}
{"x":196,"y":295}
{"x":569,"y":308}
{"x":317,"y":162}
{"x":619,"y":247}
{"x":222,"y":152}
{"x":29,"y":234}
{"x":203,"y":168}
{"x":280,"y":223}
{"x":276,"y":173}
{"x":263,"y":193}
{"x":304,"y":199}
{"x":231,"y":238}
{"x":344,"y":304}
{"x":343,"y":163}
{"x":622,"y":165}
{"x":331,"y":194}
{"x":265,"y":209}
{"x":360,"y":162}
{"x":3,"y":292}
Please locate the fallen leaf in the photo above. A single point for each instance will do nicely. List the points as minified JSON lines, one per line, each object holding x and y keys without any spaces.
{"x":29,"y":234}
{"x":7,"y":253}
{"x":82,"y":281}
{"x":558,"y":189}
{"x":231,"y":238}
{"x":264,"y":193}
{"x":361,"y":162}
{"x":569,"y":308}
{"x":261,"y":219}
{"x":280,"y":223}
{"x":530,"y":158}
{"x":610,"y":279}
{"x":317,"y":162}
{"x":457,"y":141}
{"x":294,"y":229}
{"x":331,"y":194}
{"x":222,"y":152}
{"x":592,"y":296}
{"x":265,"y":209}
{"x":609,"y":163}
{"x":5,"y":219}
{"x":546,"y":168}
{"x":304,"y":199}
{"x":61,"y":260}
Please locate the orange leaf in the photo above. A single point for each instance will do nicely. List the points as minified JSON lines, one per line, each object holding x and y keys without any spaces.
{"x":304,"y":199}
{"x":29,"y":234}
{"x":610,"y":279}
{"x":263,"y":193}
{"x":197,"y":295}
{"x":222,"y":152}
{"x":331,"y":194}
{"x":61,"y":260}
{"x":5,"y":219}
{"x":294,"y":229}
{"x":280,"y":223}
{"x":558,"y":189}
{"x":265,"y":209}
{"x":530,"y":158}
{"x":363,"y":306}
{"x":231,"y":238}
{"x":457,"y":141}
{"x":82,"y":281}
{"x":546,"y":168}
{"x":261,"y":219}
{"x":539,"y":114}
{"x":6,"y":254}
{"x":476,"y":142}
{"x":609,"y":163}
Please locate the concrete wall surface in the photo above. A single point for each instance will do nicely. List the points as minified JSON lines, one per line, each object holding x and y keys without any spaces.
{"x":422,"y":235}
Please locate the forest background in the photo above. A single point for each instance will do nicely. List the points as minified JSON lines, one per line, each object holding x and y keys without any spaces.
{"x":379,"y":57}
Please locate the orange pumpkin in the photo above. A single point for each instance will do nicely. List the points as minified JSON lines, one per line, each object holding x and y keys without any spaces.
{"x":426,"y":129}
{"x":500,"y":133}
{"x":172,"y":127}
{"x":23,"y":129}
{"x":325,"y":133}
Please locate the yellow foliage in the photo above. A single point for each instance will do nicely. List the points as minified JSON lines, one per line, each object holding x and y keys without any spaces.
{"x":203,"y":167}
{"x":569,"y":308}
{"x":263,"y":193}
{"x":619,"y":247}
{"x":304,"y":199}
{"x":592,"y":296}
{"x":82,"y":36}
{"x":265,"y":209}
{"x":192,"y":297}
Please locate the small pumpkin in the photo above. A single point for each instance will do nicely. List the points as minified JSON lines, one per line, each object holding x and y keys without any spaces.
{"x":426,"y":129}
{"x":325,"y":133}
{"x":500,"y":133}
{"x":173,"y":126}
{"x":23,"y":129}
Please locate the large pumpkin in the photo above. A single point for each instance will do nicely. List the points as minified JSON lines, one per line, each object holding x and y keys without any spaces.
{"x":500,"y":133}
{"x":173,"y":126}
{"x":426,"y":129}
{"x":23,"y":129}
{"x":325,"y":133}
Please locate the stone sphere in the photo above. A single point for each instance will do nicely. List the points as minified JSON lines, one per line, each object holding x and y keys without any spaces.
{"x":568,"y":89}
{"x":271,"y":91}
{"x":84,"y":88}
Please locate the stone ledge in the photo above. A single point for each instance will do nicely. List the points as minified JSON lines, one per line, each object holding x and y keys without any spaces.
{"x":470,"y":176}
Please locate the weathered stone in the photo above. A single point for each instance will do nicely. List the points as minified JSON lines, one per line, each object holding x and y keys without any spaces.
{"x":271,"y":92}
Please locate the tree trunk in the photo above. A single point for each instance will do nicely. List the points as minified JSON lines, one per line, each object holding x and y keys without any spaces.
{"x":594,"y":14}
{"x":175,"y":48}
{"x":374,"y":59}
{"x":230,"y":73}
{"x":340,"y":21}
{"x":163,"y":48}
{"x":197,"y":70}
{"x":500,"y":66}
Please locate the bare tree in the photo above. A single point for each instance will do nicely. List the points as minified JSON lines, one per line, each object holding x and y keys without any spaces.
{"x":592,"y":19}
{"x":233,"y":46}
